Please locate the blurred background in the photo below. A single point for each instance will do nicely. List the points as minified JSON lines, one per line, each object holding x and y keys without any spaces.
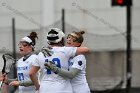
{"x":112,"y":33}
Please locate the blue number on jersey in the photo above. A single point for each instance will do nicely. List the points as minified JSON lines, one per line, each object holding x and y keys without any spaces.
{"x":55,"y":61}
{"x":20,"y":76}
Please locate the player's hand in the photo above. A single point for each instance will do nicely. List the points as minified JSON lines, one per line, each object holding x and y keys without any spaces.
{"x":47,"y":51}
{"x":14,"y":83}
{"x":50,"y":65}
{"x":37,"y":87}
{"x":1,"y":78}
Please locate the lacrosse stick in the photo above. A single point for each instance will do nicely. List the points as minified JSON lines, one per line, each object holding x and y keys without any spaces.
{"x":8,"y":62}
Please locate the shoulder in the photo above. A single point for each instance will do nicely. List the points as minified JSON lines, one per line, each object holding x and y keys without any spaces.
{"x":40,"y":54}
{"x":33,"y":56}
{"x":20,"y":59}
{"x":80,"y":57}
{"x":69,"y":48}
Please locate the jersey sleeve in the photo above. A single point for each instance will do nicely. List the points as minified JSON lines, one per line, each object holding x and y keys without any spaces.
{"x":79,"y":62}
{"x":36,"y":62}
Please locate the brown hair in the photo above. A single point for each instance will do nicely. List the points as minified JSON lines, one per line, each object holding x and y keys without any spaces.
{"x":33,"y":36}
{"x":80,"y":35}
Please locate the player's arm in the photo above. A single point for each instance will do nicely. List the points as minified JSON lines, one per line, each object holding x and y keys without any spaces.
{"x":69,"y":74}
{"x":15,"y":82}
{"x":1,"y":77}
{"x":82,"y":50}
{"x":32,"y":74}
{"x":8,"y":81}
{"x":62,"y":72}
{"x":26,"y":83}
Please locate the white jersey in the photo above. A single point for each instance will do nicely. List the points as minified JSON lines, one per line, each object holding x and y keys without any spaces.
{"x":51,"y":82}
{"x":79,"y":83}
{"x":23,"y":68}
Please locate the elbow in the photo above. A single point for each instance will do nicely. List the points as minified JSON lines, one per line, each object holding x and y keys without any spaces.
{"x":87,"y":50}
{"x":82,"y":50}
{"x":31,"y":74}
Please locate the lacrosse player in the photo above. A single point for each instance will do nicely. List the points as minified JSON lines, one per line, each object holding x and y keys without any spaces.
{"x":26,"y":49}
{"x":52,"y":82}
{"x":77,"y":69}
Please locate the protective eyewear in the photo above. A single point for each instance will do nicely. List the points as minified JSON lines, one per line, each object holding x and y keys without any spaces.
{"x":24,"y":44}
{"x":74,"y":38}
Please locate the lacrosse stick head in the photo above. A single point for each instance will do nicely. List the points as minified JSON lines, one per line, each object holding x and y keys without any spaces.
{"x":8,"y":62}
